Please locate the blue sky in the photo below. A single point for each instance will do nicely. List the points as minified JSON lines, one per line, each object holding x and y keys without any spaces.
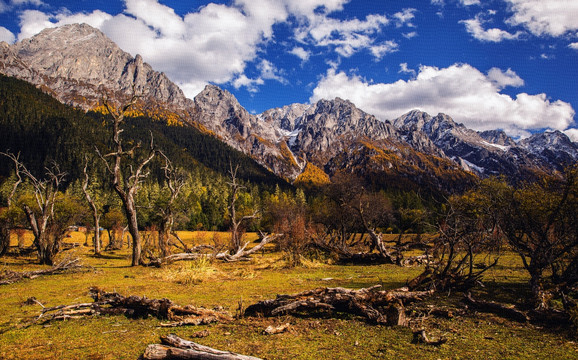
{"x":508,"y":64}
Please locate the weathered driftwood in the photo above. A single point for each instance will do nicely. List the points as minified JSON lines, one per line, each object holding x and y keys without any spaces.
{"x":382,"y":307}
{"x":198,"y":252}
{"x":174,"y":347}
{"x":503,"y":310}
{"x":66,"y":265}
{"x":106,"y":303}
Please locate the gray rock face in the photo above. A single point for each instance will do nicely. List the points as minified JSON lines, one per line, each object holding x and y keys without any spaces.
{"x":552,"y":147}
{"x":78,"y":63}
{"x":328,"y":126}
{"x":487,"y":153}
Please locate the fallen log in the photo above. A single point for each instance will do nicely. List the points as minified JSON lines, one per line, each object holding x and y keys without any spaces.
{"x":67,"y":265}
{"x":174,"y":347}
{"x":508,"y":312}
{"x":196,"y":253}
{"x":382,"y":307}
{"x":106,"y":303}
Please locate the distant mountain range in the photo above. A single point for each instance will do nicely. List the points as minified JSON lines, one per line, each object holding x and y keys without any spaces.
{"x":78,"y":64}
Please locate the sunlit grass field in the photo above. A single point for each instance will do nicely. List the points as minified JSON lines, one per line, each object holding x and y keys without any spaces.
{"x":237,"y":285}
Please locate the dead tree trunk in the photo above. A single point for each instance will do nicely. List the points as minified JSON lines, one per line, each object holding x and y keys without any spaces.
{"x":236,"y":222}
{"x":47,"y":236}
{"x":95,"y":212}
{"x":174,"y":347}
{"x":175,"y":181}
{"x":126,"y":181}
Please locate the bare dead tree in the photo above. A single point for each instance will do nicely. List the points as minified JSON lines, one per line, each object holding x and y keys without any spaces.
{"x":237,"y":221}
{"x":95,"y":212}
{"x":47,"y":234}
{"x":125,"y":178}
{"x":5,"y":223}
{"x":175,"y":182}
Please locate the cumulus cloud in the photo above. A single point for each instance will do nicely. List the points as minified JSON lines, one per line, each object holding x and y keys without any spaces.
{"x":6,"y":35}
{"x":572,"y":134}
{"x":461,"y":91}
{"x":34,"y":21}
{"x":218,"y":41}
{"x":506,"y":78}
{"x":540,"y":17}
{"x":573,"y":46}
{"x":474,"y":27}
{"x":470,"y":2}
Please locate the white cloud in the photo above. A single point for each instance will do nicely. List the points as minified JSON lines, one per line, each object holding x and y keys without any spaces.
{"x":461,"y":91}
{"x":157,"y":16}
{"x":572,"y":134}
{"x":250,"y":84}
{"x":347,"y":37}
{"x":403,"y":69}
{"x":270,"y":72}
{"x":300,"y":53}
{"x":404,"y":17}
{"x":387,"y":47}
{"x":503,"y":79}
{"x":3,"y":7}
{"x":28,"y":2}
{"x":410,"y":35}
{"x":470,"y":2}
{"x":34,"y":21}
{"x":216,"y":42}
{"x":545,"y":17}
{"x":573,"y":46}
{"x":474,"y":27}
{"x":6,"y":35}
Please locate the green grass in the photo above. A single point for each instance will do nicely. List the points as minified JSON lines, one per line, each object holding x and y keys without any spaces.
{"x":474,"y":336}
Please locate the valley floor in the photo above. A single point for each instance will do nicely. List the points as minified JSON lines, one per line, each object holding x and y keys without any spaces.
{"x":234,"y":285}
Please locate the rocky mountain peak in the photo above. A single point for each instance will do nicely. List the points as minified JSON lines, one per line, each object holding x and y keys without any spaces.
{"x":413,"y":120}
{"x":497,"y":137}
{"x":553,"y":147}
{"x":78,"y":62}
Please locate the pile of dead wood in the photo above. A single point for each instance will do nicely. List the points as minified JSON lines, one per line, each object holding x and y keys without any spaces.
{"x":377,"y":306}
{"x":112,"y":303}
{"x":66,"y":265}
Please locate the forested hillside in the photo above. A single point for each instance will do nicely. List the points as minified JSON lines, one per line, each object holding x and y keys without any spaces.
{"x":43,"y":130}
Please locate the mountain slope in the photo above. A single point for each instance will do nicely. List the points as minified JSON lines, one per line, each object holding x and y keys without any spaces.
{"x":42,"y":129}
{"x":78,"y":65}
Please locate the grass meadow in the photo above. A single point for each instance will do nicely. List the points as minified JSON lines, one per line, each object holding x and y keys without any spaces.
{"x":234,"y":286}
